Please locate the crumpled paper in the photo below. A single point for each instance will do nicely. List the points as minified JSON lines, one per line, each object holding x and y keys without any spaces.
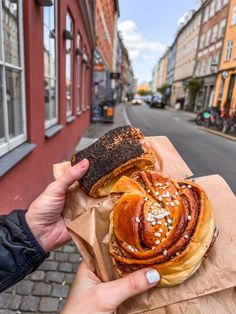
{"x":211,"y":287}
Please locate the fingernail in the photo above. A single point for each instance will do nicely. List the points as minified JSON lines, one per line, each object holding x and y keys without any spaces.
{"x":152,"y":276}
{"x":83,"y":163}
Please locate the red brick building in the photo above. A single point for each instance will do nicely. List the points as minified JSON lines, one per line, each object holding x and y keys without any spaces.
{"x":45,"y":94}
{"x":106,"y":15}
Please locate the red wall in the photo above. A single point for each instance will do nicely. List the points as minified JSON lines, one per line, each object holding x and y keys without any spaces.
{"x":23,"y":183}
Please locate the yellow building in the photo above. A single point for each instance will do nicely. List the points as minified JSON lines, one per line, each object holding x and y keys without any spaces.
{"x":225,"y":93}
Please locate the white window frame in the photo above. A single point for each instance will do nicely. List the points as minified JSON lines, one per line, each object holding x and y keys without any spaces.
{"x":69,"y":113}
{"x":215,"y":31}
{"x":206,"y":14}
{"x":233,"y":19}
{"x":79,"y":70}
{"x":218,"y":5}
{"x":212,"y":9}
{"x":10,"y":144}
{"x":222,"y":28}
{"x":229,"y":50}
{"x":208,"y":38}
{"x":50,"y":123}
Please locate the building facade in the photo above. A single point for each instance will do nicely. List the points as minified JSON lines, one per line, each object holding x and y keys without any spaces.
{"x":45,"y":97}
{"x":210,"y":48}
{"x":186,"y":51}
{"x":225,"y":93}
{"x":171,"y":63}
{"x":106,"y":15}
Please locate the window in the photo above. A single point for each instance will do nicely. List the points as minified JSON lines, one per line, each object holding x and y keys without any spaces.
{"x":233,"y":21}
{"x":229,"y":50}
{"x":84,"y":80}
{"x":214,"y":34}
{"x":50,"y":70}
{"x":222,"y":28}
{"x":212,"y":8}
{"x":202,"y":41}
{"x":208,"y":37}
{"x":69,"y":66}
{"x":206,"y":14}
{"x":221,"y":89}
{"x":12,"y":94}
{"x":79,"y":68}
{"x":225,"y":2}
{"x":218,"y":5}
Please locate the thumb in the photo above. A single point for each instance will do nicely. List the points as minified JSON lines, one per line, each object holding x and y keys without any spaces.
{"x":135,"y":283}
{"x":73,"y":174}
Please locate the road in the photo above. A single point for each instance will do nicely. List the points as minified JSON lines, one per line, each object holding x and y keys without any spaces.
{"x":204,"y":153}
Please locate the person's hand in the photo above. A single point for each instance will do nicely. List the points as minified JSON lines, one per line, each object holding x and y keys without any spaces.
{"x":44,"y":214}
{"x":89,"y":295}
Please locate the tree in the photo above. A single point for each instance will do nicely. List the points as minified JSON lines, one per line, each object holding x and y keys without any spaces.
{"x":193,"y":86}
{"x":164,"y":89}
{"x":144,"y":92}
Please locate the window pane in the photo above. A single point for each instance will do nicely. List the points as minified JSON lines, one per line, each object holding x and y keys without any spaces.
{"x":14,"y":104}
{"x":49,"y":38}
{"x":1,"y":108}
{"x":69,"y":28}
{"x":49,"y":99}
{"x":10,"y":31}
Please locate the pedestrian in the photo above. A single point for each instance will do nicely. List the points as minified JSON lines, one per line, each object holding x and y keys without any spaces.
{"x":27,"y":237}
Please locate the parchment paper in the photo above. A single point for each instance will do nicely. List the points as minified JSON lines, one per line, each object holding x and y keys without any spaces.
{"x":211,"y":287}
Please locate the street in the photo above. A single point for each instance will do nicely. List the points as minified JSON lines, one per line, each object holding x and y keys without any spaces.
{"x":204,"y":153}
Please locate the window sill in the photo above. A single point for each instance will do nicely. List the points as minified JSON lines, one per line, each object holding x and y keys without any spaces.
{"x":79,"y":113}
{"x":70,"y":119}
{"x":8,"y":161}
{"x":53,"y":130}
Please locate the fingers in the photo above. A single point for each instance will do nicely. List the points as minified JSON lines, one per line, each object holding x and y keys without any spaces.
{"x":137,"y":282}
{"x":73,"y":174}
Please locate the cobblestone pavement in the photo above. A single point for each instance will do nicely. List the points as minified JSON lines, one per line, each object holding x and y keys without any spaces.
{"x":46,"y":290}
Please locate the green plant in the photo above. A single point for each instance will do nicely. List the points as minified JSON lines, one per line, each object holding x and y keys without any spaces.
{"x":143,"y":92}
{"x":164,"y":88}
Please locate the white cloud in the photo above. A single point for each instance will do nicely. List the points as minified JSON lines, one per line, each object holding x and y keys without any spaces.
{"x":142,"y":51}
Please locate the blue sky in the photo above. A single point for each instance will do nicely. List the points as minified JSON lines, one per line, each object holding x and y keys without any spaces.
{"x":148,"y":27}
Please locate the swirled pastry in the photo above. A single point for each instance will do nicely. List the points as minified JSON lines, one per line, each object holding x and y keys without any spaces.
{"x":160,"y":223}
{"x":120,"y":151}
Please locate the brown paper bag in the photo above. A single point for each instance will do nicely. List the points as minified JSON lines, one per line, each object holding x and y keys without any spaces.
{"x":88,"y":221}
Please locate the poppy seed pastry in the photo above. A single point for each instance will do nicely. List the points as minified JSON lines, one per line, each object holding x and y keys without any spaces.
{"x":120,"y":151}
{"x":162,"y":223}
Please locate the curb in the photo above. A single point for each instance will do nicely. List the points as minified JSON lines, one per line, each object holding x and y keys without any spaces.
{"x":229,"y":137}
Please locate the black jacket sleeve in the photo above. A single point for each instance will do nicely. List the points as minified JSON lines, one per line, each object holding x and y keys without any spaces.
{"x":20,"y":253}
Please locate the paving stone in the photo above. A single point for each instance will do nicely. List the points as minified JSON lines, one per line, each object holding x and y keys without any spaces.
{"x":38,"y":275}
{"x":51,"y":256}
{"x":60,"y":291}
{"x":61,"y":304}
{"x":7,"y":312}
{"x":69,"y":249}
{"x":75,"y":258}
{"x":61,"y":257}
{"x":24,"y":287}
{"x":55,"y":276}
{"x":42,"y":289}
{"x":11,"y":290}
{"x":66,"y":267}
{"x":30,"y":303}
{"x":49,"y":305}
{"x":10,"y":301}
{"x":69,"y":278}
{"x":49,"y":265}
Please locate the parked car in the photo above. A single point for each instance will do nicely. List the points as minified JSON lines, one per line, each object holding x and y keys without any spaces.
{"x":137,"y":100}
{"x":157,"y":101}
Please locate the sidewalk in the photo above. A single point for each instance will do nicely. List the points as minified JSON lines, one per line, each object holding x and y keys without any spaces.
{"x":46,"y":290}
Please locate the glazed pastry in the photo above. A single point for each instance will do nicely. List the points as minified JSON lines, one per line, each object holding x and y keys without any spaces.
{"x":160,"y":223}
{"x":120,"y":151}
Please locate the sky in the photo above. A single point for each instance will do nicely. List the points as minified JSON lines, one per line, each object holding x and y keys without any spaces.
{"x":148,"y":27}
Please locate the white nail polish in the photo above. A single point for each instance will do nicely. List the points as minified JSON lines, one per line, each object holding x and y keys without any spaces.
{"x":152,"y":276}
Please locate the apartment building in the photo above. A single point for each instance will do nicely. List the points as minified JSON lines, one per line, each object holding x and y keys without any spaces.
{"x":212,"y":34}
{"x":225,"y":91}
{"x":45,"y":95}
{"x":186,"y":51}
